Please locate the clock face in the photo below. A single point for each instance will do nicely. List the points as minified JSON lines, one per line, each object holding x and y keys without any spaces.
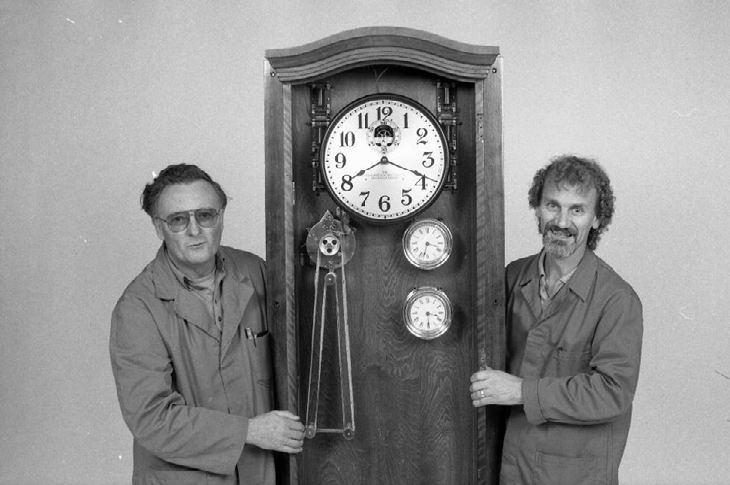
{"x":427,"y":243}
{"x":427,"y":312}
{"x":384,"y":158}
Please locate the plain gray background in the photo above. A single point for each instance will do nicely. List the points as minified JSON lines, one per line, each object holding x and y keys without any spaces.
{"x":96,"y":95}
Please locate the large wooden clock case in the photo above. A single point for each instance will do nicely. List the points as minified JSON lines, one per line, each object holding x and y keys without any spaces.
{"x":413,"y":417}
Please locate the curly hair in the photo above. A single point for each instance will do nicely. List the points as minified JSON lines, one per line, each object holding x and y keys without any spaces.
{"x":583,"y":172}
{"x":172,"y":175}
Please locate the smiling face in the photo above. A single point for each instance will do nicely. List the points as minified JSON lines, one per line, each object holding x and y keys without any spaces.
{"x":566,"y":215}
{"x":193,"y":249}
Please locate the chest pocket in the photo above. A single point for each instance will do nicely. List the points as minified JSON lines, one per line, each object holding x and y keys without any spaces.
{"x":259,"y":351}
{"x":570,"y":363}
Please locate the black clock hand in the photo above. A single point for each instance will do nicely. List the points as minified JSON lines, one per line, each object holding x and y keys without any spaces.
{"x":416,"y":172}
{"x":383,"y":160}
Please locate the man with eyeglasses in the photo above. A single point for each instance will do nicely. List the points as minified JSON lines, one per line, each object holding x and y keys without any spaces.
{"x":190,"y":350}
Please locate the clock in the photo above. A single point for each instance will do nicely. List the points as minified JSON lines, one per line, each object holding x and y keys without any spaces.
{"x":370,"y":134}
{"x":384,"y":158}
{"x":427,"y":244}
{"x":427,"y":312}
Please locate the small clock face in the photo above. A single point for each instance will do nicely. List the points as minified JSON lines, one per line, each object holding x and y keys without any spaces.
{"x":384,"y":158}
{"x":427,"y":243}
{"x":427,"y":312}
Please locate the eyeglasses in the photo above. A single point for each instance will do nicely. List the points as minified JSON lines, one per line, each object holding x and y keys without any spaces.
{"x":179,"y":221}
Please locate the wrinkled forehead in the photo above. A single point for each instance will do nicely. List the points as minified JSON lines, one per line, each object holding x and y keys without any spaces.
{"x":187,"y":196}
{"x":571,"y":183}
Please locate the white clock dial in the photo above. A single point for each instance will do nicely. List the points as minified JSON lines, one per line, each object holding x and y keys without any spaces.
{"x":427,"y":312}
{"x":427,"y":243}
{"x":384,"y":158}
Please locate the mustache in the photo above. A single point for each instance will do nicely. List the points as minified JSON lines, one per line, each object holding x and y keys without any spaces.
{"x":559,"y":230}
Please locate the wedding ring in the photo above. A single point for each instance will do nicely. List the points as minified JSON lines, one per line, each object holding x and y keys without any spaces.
{"x":481,"y":393}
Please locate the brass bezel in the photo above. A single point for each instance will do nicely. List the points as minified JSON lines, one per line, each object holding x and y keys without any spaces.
{"x":413,"y":297}
{"x":413,"y":258}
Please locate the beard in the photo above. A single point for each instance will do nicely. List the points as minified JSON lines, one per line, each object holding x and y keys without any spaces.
{"x":559,"y":243}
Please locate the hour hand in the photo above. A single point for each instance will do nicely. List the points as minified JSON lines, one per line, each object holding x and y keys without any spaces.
{"x":362,"y":172}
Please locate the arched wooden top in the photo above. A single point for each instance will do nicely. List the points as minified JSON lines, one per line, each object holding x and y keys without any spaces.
{"x":382,"y":45}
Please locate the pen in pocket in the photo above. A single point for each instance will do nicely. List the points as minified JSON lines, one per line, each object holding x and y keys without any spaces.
{"x":251,"y":335}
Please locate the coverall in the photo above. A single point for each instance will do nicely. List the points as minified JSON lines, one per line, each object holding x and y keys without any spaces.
{"x":187,"y":389}
{"x":579,"y":360}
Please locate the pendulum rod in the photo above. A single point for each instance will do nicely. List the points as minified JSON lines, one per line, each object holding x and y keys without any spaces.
{"x":343,"y":332}
{"x":317,"y":355}
{"x":313,"y":387}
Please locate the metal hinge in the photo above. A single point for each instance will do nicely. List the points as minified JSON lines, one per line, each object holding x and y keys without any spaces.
{"x":319,"y":121}
{"x":447,"y":113}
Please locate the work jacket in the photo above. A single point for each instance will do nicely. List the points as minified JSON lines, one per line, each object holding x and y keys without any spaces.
{"x":579,"y":360}
{"x":187,"y":389}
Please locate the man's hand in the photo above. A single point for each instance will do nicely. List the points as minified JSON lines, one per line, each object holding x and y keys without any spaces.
{"x":276,"y":430}
{"x":491,"y":386}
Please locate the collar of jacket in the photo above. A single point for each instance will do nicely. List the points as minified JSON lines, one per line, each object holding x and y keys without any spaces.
{"x":191,"y":308}
{"x":580,"y":283}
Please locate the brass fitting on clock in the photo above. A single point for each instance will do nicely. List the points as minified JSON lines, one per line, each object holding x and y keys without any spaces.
{"x":319,"y":121}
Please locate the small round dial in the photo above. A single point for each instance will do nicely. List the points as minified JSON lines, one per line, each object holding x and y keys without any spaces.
{"x":427,"y":243}
{"x":427,"y":312}
{"x":384,"y":158}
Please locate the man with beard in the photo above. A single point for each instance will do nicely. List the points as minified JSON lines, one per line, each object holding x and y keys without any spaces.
{"x":574,"y":330}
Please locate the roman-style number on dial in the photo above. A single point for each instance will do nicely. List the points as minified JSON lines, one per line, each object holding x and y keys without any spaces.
{"x":427,"y":312}
{"x":384,"y":158}
{"x":427,"y":243}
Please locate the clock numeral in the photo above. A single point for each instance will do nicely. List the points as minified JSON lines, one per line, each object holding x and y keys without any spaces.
{"x":405,"y":121}
{"x":384,"y":112}
{"x":346,"y":183}
{"x":422,"y":182}
{"x":406,"y":200}
{"x":365,"y":199}
{"x":362,"y":120}
{"x":347,"y":139}
{"x":428,"y":160}
{"x":384,"y":203}
{"x":340,"y":160}
{"x":422,"y":134}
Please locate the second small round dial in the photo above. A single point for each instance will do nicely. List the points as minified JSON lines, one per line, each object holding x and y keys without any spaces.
{"x":427,"y":312}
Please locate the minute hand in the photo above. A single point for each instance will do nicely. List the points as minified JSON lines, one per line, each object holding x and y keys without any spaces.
{"x":416,"y":172}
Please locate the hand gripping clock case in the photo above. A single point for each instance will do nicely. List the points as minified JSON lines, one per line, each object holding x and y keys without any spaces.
{"x":385,"y":251}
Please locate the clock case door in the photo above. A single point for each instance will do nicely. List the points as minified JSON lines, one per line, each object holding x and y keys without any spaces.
{"x":414,"y":421}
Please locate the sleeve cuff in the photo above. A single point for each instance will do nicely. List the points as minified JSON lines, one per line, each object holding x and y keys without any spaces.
{"x":531,"y":400}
